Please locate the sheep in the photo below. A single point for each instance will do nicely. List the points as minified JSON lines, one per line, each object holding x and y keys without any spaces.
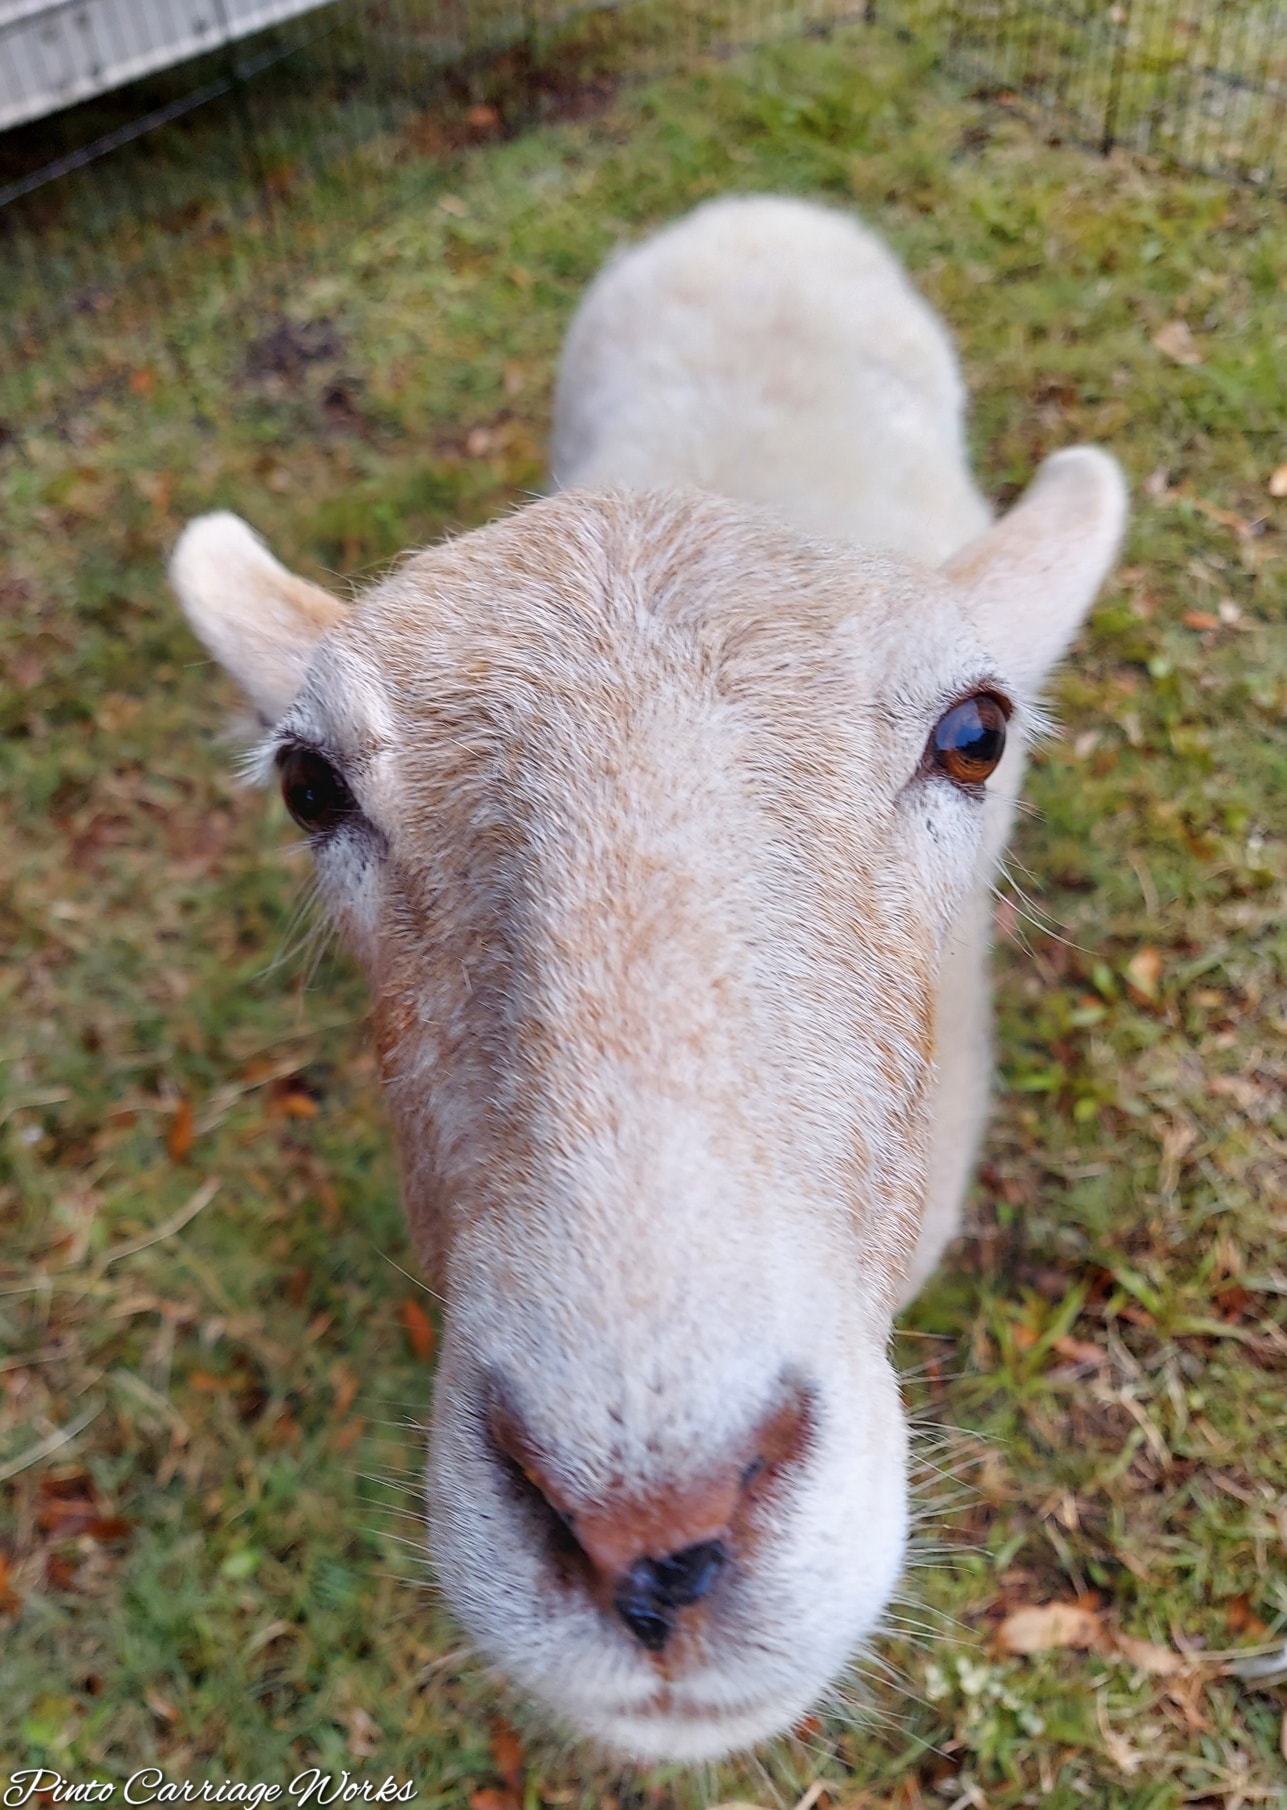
{"x":661,"y":816}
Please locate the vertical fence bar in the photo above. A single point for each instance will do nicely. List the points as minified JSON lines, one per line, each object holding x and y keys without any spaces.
{"x":1122,"y":17}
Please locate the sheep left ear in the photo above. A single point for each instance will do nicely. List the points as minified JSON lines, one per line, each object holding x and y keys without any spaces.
{"x":1029,"y":580}
{"x":259,"y":621}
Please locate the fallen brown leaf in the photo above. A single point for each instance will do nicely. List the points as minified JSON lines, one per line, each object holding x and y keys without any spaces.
{"x":1043,"y":1627}
{"x":284,"y":1430}
{"x":419,"y":1328}
{"x":109,"y":1529}
{"x":909,"y":1796}
{"x":1247,"y":1095}
{"x":365,"y":1734}
{"x":345,"y":1385}
{"x":68,"y":1506}
{"x":507,"y":1756}
{"x":1232,"y":1302}
{"x":77,"y":1519}
{"x":178,"y":1139}
{"x":491,"y":1797}
{"x":1187,"y":1694}
{"x":1201,"y":619}
{"x":1079,"y":1351}
{"x":347,"y":1436}
{"x":1175,"y":341}
{"x":67,"y":1487}
{"x":10,"y":1601}
{"x":60,"y":1572}
{"x":1148,"y":1656}
{"x":1242,"y":1620}
{"x":1144,"y":971}
{"x":291,"y":1098}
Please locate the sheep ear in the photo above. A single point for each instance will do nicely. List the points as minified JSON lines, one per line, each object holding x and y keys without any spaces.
{"x":259,"y":621}
{"x":1030,"y":579}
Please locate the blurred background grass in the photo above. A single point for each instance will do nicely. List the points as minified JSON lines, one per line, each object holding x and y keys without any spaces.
{"x":210,"y":1401}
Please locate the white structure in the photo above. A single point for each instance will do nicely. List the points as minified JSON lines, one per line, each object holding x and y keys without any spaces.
{"x":56,"y":52}
{"x":663,"y":831}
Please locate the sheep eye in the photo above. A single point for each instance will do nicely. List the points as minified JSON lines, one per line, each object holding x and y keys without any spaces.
{"x":969,"y":739}
{"x":315,"y":794}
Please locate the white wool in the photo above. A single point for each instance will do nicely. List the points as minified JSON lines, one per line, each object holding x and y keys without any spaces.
{"x":775,"y":351}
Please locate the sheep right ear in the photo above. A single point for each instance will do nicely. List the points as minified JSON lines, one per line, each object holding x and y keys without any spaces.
{"x":1028,"y":581}
{"x":259,"y":621}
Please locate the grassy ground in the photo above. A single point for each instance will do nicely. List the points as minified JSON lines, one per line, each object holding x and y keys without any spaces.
{"x":213,"y":1365}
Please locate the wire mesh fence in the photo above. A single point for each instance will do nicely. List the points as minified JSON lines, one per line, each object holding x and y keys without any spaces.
{"x":169,"y":193}
{"x":172,"y":192}
{"x":1202,"y":83}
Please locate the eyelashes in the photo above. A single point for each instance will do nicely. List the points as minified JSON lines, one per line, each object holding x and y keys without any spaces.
{"x":315,"y":793}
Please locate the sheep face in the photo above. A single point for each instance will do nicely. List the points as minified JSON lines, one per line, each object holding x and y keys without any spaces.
{"x":631,"y":810}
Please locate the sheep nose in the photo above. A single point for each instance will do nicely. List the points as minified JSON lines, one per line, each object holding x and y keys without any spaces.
{"x":648,"y":1595}
{"x":648,"y":1556}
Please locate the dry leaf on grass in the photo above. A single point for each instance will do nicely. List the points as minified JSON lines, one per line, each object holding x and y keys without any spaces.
{"x":1176,"y":342}
{"x":1148,"y":1656}
{"x":69,"y":1508}
{"x":1187,"y":1695}
{"x":291,"y":1097}
{"x":1079,"y":1351}
{"x":1047,"y":1626}
{"x":365,"y":1734}
{"x":345,"y":1385}
{"x":160,"y":1706}
{"x":178,"y":1139}
{"x":490,"y":1798}
{"x":1240,"y":1618}
{"x":419,"y":1328}
{"x":1144,"y":971}
{"x":10,"y":1601}
{"x":344,"y":1438}
{"x":507,"y":1757}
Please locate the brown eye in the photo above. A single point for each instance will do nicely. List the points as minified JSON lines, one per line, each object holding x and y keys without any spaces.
{"x":969,"y":739}
{"x":315,"y":794}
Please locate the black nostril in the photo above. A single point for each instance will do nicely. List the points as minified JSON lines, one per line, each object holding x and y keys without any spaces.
{"x":686,"y":1577}
{"x":653,"y":1589}
{"x":651,"y":1627}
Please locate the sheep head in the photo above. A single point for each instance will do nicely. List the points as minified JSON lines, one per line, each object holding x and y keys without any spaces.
{"x":648,"y":822}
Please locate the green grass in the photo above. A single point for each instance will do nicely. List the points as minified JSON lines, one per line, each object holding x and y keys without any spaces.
{"x":215,"y":1572}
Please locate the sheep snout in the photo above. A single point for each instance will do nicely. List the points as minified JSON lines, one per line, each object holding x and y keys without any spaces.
{"x":653,"y":1557}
